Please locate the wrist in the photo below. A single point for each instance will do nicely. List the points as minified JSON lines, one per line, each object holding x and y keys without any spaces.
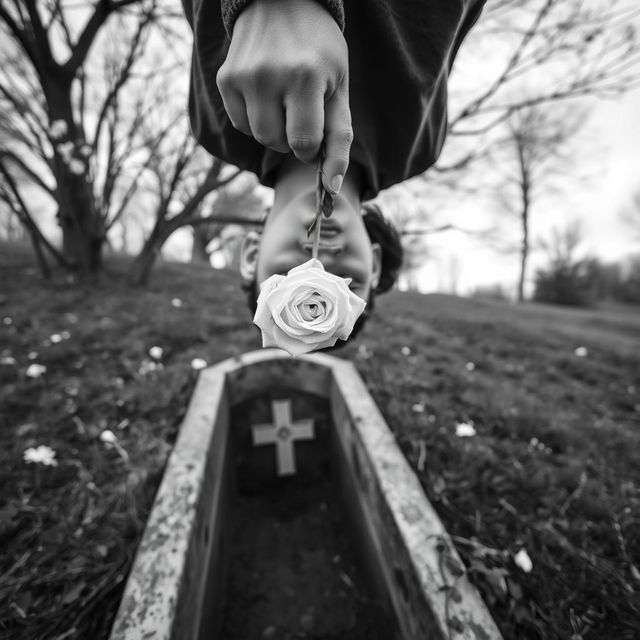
{"x":232,"y":10}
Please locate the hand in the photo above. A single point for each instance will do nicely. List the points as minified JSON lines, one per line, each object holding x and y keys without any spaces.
{"x":285,"y":82}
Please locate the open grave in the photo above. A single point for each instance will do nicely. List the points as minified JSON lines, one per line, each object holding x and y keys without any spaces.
{"x":288,"y":511}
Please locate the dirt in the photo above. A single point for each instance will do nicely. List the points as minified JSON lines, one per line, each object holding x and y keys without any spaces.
{"x":292,"y":572}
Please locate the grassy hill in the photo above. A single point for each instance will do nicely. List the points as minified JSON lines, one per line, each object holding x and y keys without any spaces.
{"x":553,"y":396}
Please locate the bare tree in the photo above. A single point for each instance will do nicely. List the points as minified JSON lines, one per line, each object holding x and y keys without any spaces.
{"x":534,"y":52}
{"x":563,"y":242}
{"x":533,"y":158}
{"x":93,"y":115}
{"x":48,"y":141}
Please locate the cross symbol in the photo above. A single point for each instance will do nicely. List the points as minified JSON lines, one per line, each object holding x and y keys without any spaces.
{"x":283,"y":433}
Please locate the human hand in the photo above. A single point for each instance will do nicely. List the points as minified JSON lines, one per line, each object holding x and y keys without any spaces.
{"x":285,"y":82}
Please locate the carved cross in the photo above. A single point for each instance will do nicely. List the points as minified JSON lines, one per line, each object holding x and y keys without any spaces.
{"x":283,"y":433}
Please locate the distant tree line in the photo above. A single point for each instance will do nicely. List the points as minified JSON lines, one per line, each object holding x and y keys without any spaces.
{"x":584,"y":283}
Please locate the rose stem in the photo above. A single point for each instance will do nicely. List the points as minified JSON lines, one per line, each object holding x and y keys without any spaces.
{"x":316,"y":238}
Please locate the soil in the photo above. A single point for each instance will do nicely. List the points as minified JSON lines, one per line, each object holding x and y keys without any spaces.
{"x":292,"y":572}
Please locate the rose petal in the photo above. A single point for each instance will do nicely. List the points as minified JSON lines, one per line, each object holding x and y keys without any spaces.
{"x":263,"y":317}
{"x":300,"y":305}
{"x":355,"y":305}
{"x":298,"y":347}
{"x":314,"y":263}
{"x":271,"y":283}
{"x":308,"y":309}
{"x":278,"y":301}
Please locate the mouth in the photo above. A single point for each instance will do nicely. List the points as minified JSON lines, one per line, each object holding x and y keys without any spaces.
{"x":329,"y":227}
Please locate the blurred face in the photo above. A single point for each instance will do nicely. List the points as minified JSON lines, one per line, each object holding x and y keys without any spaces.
{"x":345,"y":248}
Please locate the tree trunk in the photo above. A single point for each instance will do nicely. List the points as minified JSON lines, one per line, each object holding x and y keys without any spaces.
{"x":42,"y":261}
{"x":80,"y":221}
{"x":524,"y":251}
{"x":146,"y":259}
{"x":200,"y":241}
{"x":525,"y":192}
{"x":82,"y":235}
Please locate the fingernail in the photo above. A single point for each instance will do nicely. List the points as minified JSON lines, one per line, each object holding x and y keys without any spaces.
{"x":336,"y":183}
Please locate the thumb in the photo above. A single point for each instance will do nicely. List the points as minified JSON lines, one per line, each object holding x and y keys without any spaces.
{"x":338,"y":136}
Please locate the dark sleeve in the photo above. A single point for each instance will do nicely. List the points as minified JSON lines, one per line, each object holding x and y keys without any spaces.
{"x":400,"y":56}
{"x":231,"y":9}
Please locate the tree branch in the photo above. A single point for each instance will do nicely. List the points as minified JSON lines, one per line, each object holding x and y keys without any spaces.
{"x":123,"y":77}
{"x":6,"y":153}
{"x":27,"y":220}
{"x":103,"y":9}
{"x":20,"y":35}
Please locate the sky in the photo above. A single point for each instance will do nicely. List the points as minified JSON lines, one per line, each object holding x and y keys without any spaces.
{"x":613,"y":170}
{"x":459,"y":262}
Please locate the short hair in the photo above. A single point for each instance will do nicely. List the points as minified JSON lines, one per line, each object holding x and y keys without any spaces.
{"x":380,"y":231}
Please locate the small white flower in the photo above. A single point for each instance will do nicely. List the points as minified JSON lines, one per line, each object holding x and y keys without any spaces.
{"x":465,"y":430}
{"x":55,"y":338}
{"x":41,"y":455}
{"x":523,"y":561}
{"x":85,"y":150}
{"x":417,"y":408}
{"x":35,"y":370}
{"x":111,"y":440}
{"x":32,"y":355}
{"x":58,"y":129}
{"x":108,"y":437}
{"x":363,"y":352}
{"x":8,"y":360}
{"x":7,"y":321}
{"x":198,"y":363}
{"x":147,"y":366}
{"x":470,"y":366}
{"x":581,"y":352}
{"x":156,"y":352}
{"x":405,"y":351}
{"x":176,"y":302}
{"x":65,"y":335}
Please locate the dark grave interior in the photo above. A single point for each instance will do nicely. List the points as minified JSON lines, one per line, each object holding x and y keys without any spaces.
{"x":294,"y":567}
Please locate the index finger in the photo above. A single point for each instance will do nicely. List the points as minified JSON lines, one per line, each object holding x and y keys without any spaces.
{"x":338,"y":136}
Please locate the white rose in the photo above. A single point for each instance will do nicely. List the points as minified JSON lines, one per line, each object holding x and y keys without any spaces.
{"x":306,"y":310}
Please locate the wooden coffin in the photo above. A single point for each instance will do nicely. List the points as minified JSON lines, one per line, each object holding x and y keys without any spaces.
{"x":176,"y":588}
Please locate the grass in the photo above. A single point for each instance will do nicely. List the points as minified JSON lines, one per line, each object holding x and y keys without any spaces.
{"x":552,"y":468}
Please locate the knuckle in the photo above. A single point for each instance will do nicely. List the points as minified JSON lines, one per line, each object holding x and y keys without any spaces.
{"x":305,"y":74}
{"x":223,"y":79}
{"x":343,"y":137}
{"x":346,"y":135}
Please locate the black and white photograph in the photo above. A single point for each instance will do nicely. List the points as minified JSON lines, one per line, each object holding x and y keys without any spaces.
{"x":319,"y":319}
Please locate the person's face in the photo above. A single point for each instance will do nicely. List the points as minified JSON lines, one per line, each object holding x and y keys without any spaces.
{"x":344,"y":250}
